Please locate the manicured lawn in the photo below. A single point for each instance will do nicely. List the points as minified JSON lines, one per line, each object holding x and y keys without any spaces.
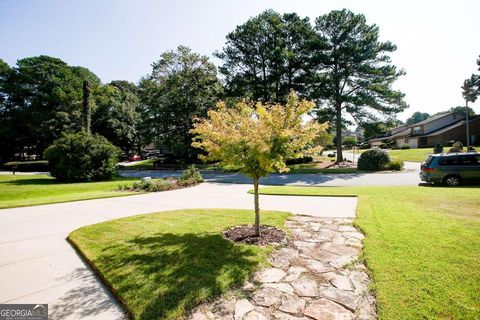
{"x":422,"y":247}
{"x":161,"y":265}
{"x":29,"y":190}
{"x":142,"y":165}
{"x":414,"y":155}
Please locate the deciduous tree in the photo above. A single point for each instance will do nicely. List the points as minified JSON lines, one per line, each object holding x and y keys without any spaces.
{"x":117,"y":115}
{"x":257,"y":138}
{"x":182,"y":85}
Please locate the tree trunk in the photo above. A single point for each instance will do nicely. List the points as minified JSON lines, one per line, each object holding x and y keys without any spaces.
{"x":257,"y":206}
{"x":338,"y":129}
{"x":87,"y":110}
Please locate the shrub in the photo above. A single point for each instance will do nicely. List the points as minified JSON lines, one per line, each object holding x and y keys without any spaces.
{"x":153,"y":185}
{"x":331,"y":155}
{"x":82,"y":157}
{"x":374,"y":159}
{"x":191,"y":174}
{"x":26,"y":166}
{"x":365,"y":145}
{"x":304,"y":159}
{"x":405,"y":146}
{"x":384,"y":146}
{"x":395,"y":165}
{"x":438,"y":148}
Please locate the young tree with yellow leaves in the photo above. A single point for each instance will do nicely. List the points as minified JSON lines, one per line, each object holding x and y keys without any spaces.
{"x":257,"y":138}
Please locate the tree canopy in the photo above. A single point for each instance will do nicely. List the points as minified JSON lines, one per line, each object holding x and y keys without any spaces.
{"x":373,"y":129}
{"x":257,"y":138}
{"x":41,"y":99}
{"x":267,"y":56}
{"x":353,"y":70}
{"x":471,"y":86}
{"x":462,"y":109}
{"x":117,"y":115}
{"x":417,"y":117}
{"x":182,"y":85}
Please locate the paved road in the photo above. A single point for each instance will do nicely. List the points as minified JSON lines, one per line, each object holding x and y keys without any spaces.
{"x":37,"y":265}
{"x":409,"y":177}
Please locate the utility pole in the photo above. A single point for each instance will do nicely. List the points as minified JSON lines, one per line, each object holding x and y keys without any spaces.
{"x":467,"y":124}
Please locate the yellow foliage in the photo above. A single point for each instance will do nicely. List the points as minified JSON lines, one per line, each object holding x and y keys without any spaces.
{"x":257,"y":138}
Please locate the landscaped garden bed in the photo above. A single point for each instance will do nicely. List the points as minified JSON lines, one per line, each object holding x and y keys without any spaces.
{"x":162,"y":265}
{"x":246,"y":234}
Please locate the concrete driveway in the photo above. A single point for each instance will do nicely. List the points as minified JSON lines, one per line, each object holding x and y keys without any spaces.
{"x":37,"y":264}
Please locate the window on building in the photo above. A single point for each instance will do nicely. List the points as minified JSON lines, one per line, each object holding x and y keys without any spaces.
{"x":405,"y":140}
{"x":417,"y":130}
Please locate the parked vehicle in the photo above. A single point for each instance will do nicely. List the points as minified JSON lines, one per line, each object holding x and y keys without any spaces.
{"x":451,"y":169}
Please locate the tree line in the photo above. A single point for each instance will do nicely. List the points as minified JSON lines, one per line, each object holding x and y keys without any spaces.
{"x":337,"y":61}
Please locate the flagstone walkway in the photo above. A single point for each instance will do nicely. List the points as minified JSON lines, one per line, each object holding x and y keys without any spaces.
{"x":317,"y":275}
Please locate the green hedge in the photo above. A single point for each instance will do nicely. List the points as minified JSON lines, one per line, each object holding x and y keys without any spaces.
{"x":304,"y":159}
{"x":26,"y":166}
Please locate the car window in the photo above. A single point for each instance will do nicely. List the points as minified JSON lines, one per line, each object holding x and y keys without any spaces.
{"x":469,"y":160}
{"x":449,"y":161}
{"x":429,"y":160}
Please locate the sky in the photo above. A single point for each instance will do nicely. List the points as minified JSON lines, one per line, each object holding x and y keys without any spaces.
{"x":438,"y":41}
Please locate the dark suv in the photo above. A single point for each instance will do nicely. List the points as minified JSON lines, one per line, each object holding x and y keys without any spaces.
{"x":451,"y":169}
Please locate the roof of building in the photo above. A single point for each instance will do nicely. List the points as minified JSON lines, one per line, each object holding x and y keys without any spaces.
{"x":435,"y":117}
{"x":449,"y":127}
{"x":407,"y":132}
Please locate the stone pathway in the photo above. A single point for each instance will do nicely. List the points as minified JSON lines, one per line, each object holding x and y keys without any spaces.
{"x":317,"y":275}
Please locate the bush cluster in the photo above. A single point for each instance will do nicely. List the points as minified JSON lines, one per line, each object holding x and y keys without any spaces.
{"x":405,"y":146}
{"x":304,"y":159}
{"x":153,"y":185}
{"x":82,"y":157}
{"x":394,"y":165}
{"x":26,"y":166}
{"x":373,"y":160}
{"x":191,"y":174}
{"x":189,"y":177}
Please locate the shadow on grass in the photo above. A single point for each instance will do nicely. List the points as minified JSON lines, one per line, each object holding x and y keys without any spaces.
{"x":165,"y":276}
{"x":37,"y":181}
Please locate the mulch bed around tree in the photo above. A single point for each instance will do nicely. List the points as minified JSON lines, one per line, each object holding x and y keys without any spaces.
{"x":246,"y":234}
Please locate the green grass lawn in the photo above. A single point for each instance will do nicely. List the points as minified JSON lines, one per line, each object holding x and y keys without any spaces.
{"x":148,"y":164}
{"x":161,"y":265}
{"x":422,"y":247}
{"x":414,"y":155}
{"x":29,"y":190}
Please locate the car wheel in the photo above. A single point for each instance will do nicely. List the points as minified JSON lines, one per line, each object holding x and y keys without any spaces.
{"x":452,"y":181}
